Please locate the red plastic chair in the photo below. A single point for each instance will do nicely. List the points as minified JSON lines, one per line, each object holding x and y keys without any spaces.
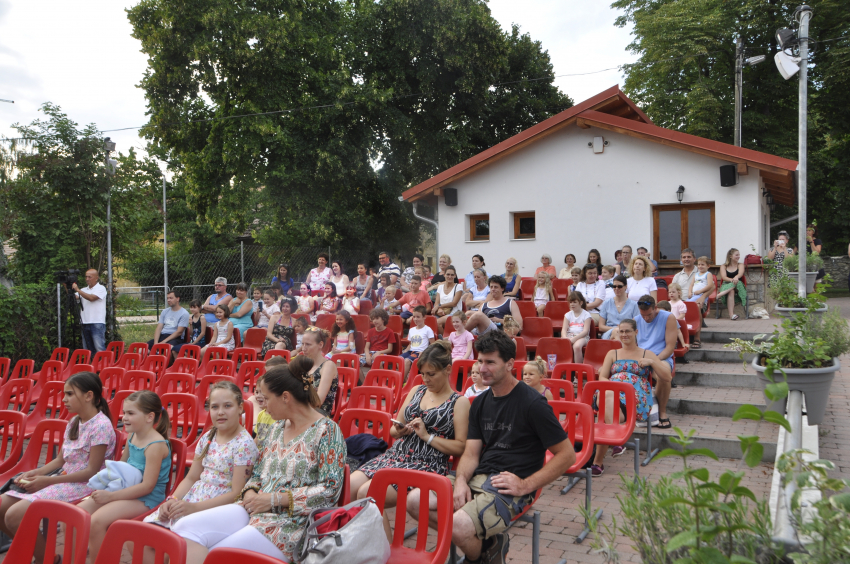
{"x":693,"y":319}
{"x":243,"y":354}
{"x":662,"y":295}
{"x":102,"y":360}
{"x":431,"y":321}
{"x":161,"y":349}
{"x":176,"y":383}
{"x":561,"y":288}
{"x":183,"y":411}
{"x":389,"y":362}
{"x":231,"y":555}
{"x":254,"y":339}
{"x":51,"y":371}
{"x":15,"y":395}
{"x":583,"y":373}
{"x":48,"y":406}
{"x":120,"y":443}
{"x":562,"y":390}
{"x":534,"y":329}
{"x":139,"y":348}
{"x":210,"y":354}
{"x":48,"y":436}
{"x":5,"y":369}
{"x":141,"y":535}
{"x":116,"y":348}
{"x":202,"y":392}
{"x":138,"y":380}
{"x":412,"y":382}
{"x":287,"y":355}
{"x":594,"y":354}
{"x":521,"y":350}
{"x":325,"y":321}
{"x":248,"y":375}
{"x":116,"y":406}
{"x":357,"y":421}
{"x":388,"y":379}
{"x":190,"y":351}
{"x":396,"y":325}
{"x":517,"y":369}
{"x":112,"y":378}
{"x":59,"y":354}
{"x":426,"y":483}
{"x":561,"y":348}
{"x":23,"y":369}
{"x":130,"y":361}
{"x":377,"y":398}
{"x":526,"y":308}
{"x":76,"y":532}
{"x":237,"y":340}
{"x":79,"y":356}
{"x":366,"y":307}
{"x":614,"y":433}
{"x":362,"y":322}
{"x":77,"y":368}
{"x":12,"y":425}
{"x":184,"y":366}
{"x":347,"y":379}
{"x":526,"y":286}
{"x":219,"y":367}
{"x":347,"y":360}
{"x":157,"y":364}
{"x":460,"y":372}
{"x":556,"y":312}
{"x":683,"y":327}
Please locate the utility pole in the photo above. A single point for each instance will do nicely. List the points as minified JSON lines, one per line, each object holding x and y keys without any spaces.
{"x":164,"y":241}
{"x":109,"y":146}
{"x":802,"y":129}
{"x":740,"y":63}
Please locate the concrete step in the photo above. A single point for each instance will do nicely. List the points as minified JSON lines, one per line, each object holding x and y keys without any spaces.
{"x":716,"y":375}
{"x":714,"y":336}
{"x":718,"y":434}
{"x":717,"y":402}
{"x":715,"y":352}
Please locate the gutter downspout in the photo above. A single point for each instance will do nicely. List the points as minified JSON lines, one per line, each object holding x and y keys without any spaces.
{"x":436,"y":229}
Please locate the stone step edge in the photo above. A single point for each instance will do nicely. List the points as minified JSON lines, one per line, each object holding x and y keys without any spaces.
{"x":716,"y":379}
{"x":723,"y":448}
{"x":702,"y":407}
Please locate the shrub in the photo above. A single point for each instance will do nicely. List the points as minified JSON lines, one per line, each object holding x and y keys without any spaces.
{"x":30,"y":327}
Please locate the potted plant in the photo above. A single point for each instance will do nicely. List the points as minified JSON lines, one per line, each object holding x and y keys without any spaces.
{"x":806,"y":351}
{"x":783,"y":291}
{"x":813,"y":264}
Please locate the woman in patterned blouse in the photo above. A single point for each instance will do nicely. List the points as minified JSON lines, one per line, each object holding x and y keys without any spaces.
{"x":301,"y":467}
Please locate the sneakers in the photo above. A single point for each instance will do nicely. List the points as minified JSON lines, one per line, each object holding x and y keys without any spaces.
{"x":597,"y":470}
{"x":498,"y":551}
{"x":618,"y":451}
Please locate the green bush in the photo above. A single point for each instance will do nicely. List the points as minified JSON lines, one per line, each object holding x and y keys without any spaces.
{"x":30,"y":327}
{"x":813,"y":263}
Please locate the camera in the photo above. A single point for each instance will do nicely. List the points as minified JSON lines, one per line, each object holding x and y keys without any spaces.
{"x":68,"y":277}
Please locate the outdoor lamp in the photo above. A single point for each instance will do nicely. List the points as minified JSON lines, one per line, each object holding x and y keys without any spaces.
{"x":108,"y":145}
{"x":785,"y":37}
{"x":788,"y":65}
{"x":769,"y":199}
{"x":680,"y":194}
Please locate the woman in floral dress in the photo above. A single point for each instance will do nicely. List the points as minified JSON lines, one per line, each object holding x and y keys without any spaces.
{"x":632,"y":365}
{"x":224,"y":458}
{"x":436,"y":421}
{"x":280,"y":331}
{"x":301,"y":467}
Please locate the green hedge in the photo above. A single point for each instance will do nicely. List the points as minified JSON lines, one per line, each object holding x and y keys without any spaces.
{"x":29,"y":327}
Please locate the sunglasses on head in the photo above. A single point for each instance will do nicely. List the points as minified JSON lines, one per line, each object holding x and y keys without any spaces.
{"x":312,"y":328}
{"x":645,"y":304}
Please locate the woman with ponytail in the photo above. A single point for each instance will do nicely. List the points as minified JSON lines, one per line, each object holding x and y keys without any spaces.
{"x":89,"y":442}
{"x":301,"y":467}
{"x":149,"y":451}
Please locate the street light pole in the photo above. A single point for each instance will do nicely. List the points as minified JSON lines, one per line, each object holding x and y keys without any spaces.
{"x":802,"y":129}
{"x":109,"y":146}
{"x":739,"y":68}
{"x":164,"y":239}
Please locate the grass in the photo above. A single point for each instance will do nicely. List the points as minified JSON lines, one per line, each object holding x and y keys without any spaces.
{"x":837,"y":293}
{"x":136,"y":332}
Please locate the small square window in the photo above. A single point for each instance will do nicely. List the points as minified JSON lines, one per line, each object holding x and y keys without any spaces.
{"x":524,"y":225}
{"x":479,"y":227}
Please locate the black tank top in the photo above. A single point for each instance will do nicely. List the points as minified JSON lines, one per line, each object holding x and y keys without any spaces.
{"x":732,"y":273}
{"x":500,"y":311}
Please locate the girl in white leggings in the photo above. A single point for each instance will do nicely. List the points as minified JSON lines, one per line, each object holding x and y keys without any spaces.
{"x":226,"y":527}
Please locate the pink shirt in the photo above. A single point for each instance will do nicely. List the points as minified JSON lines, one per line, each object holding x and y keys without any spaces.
{"x":678,"y":309}
{"x":460,"y":343}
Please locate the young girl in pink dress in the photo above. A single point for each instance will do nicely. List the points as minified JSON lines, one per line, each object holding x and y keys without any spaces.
{"x":89,"y":442}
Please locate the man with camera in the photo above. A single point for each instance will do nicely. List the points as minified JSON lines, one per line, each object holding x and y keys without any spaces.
{"x":172,"y":325}
{"x":92,"y":312}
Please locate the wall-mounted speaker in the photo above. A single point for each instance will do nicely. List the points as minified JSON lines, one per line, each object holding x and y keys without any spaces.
{"x":451,"y":196}
{"x":728,"y":175}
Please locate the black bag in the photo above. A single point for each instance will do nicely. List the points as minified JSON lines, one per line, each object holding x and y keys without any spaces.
{"x":11,"y":486}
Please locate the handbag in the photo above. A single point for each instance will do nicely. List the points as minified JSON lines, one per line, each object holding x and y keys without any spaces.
{"x":11,"y":486}
{"x":360,"y":540}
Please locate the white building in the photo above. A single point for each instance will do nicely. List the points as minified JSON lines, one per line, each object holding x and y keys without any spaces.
{"x":601,"y":175}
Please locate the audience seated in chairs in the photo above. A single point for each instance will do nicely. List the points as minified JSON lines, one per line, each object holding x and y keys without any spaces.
{"x":546,"y":261}
{"x":632,"y":365}
{"x":241,"y":309}
{"x":567,"y":271}
{"x":511,"y":463}
{"x":280,"y":333}
{"x":447,"y":298}
{"x":494,"y":310}
{"x":363,"y":282}
{"x":731,"y":276}
{"x":640,"y":283}
{"x":329,"y":302}
{"x":592,"y":289}
{"x":172,"y":325}
{"x":222,"y":335}
{"x":702,"y":284}
{"x":220,"y":297}
{"x":319,"y":275}
{"x":513,"y":278}
{"x":266,"y":309}
{"x":543,"y":293}
{"x":199,"y":325}
{"x":476,"y":292}
{"x":461,"y":339}
{"x":380,"y":339}
{"x":657,"y":332}
{"x":477,"y":264}
{"x":324,"y":373}
{"x":577,"y":324}
{"x":306,"y":303}
{"x":615,"y":309}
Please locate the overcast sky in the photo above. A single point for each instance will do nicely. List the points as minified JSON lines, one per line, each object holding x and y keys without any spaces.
{"x":80,"y":55}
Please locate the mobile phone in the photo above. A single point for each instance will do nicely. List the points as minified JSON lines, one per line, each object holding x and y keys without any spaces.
{"x":397,"y":422}
{"x":776,"y":243}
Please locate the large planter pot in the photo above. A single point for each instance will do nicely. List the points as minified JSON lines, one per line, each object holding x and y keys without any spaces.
{"x":813,"y":382}
{"x":810,"y":280}
{"x":789,"y":311}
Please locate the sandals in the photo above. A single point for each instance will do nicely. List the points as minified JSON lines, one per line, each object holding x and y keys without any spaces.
{"x":735,"y":317}
{"x":696,"y":345}
{"x":664,"y":424}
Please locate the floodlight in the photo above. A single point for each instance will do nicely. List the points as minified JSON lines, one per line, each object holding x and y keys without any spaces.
{"x":108,"y":144}
{"x":788,"y":66}
{"x":785,"y":37}
{"x":754,"y":60}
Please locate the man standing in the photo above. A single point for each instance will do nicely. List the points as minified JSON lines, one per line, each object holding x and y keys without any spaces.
{"x":685,"y":277}
{"x":511,"y":426}
{"x":220,"y":297}
{"x":92,"y":312}
{"x":657,"y":331}
{"x":388,"y":267}
{"x":172,"y":325}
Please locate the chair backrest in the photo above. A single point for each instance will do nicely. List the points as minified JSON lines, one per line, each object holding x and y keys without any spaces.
{"x":556,"y":311}
{"x":120,"y":443}
{"x":112,"y":378}
{"x":526,"y":308}
{"x":378,"y":398}
{"x":61,"y":354}
{"x":425,"y":482}
{"x":611,"y":433}
{"x":77,"y":368}
{"x":139,"y":348}
{"x":526,"y":286}
{"x":138,"y":380}
{"x":157,"y":364}
{"x":221,"y":367}
{"x":396,"y":325}
{"x":142,"y":536}
{"x":23,"y":369}
{"x":130,"y":361}
{"x":561,"y":389}
{"x":5,"y":369}
{"x":237,"y":338}
{"x":116,"y":406}
{"x":48,"y":437}
{"x":243,"y":354}
{"x":213,"y":353}
{"x":561,"y":348}
{"x":178,"y":462}
{"x":431,"y":321}
{"x":231,"y":555}
{"x":521,"y":352}
{"x":161,"y":349}
{"x":176,"y":383}
{"x":583,"y":373}
{"x":102,"y":360}
{"x":347,"y":360}
{"x":576,"y":417}
{"x":346,"y":381}
{"x":184,"y":365}
{"x":202,"y":392}
{"x":249,"y":372}
{"x":278,"y":352}
{"x":326,"y":321}
{"x":51,"y":371}
{"x":15,"y":395}
{"x":361,"y":322}
{"x":460,"y":372}
{"x":662,"y":295}
{"x":561,"y":287}
{"x":388,"y":362}
{"x":116,"y":348}
{"x":50,"y":401}
{"x":76,"y":533}
{"x":534,"y":329}
{"x":365,"y":307}
{"x":183,"y":410}
{"x":387,"y":378}
{"x":357,"y":421}
{"x":345,"y":493}
{"x":12,"y":426}
{"x":692,"y":316}
{"x":594,"y":354}
{"x":683,"y":327}
{"x":189,"y":351}
{"x":80,"y":356}
{"x":254,"y":339}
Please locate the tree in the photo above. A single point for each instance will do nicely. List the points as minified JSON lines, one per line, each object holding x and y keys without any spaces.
{"x":54,"y":191}
{"x":358,"y":99}
{"x":685,"y":78}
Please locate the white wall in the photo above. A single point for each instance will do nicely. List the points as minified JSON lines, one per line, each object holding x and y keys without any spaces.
{"x":584,"y":200}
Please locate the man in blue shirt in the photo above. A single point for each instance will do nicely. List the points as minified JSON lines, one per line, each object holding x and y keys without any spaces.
{"x":172,"y":325}
{"x":657,"y":331}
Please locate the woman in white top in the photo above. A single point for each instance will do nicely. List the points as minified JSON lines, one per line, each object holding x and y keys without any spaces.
{"x":640,"y":283}
{"x":339,"y":279}
{"x":592,"y":289}
{"x":477,"y":294}
{"x":447,"y":298}
{"x":318,"y":276}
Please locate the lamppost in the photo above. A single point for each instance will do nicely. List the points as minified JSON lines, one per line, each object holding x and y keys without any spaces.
{"x":109,"y":146}
{"x":740,"y":62}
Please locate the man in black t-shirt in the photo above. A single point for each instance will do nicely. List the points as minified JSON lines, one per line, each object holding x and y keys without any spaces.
{"x":511,"y":427}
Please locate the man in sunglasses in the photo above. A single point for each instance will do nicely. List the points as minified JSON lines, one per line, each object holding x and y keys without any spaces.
{"x":614,"y":310}
{"x":657,"y":331}
{"x":221,"y":297}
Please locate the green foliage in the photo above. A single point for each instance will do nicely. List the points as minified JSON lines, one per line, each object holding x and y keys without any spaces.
{"x":783,"y":290}
{"x":29,"y":330}
{"x":405,"y":89}
{"x":813,"y":262}
{"x":684,"y":80}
